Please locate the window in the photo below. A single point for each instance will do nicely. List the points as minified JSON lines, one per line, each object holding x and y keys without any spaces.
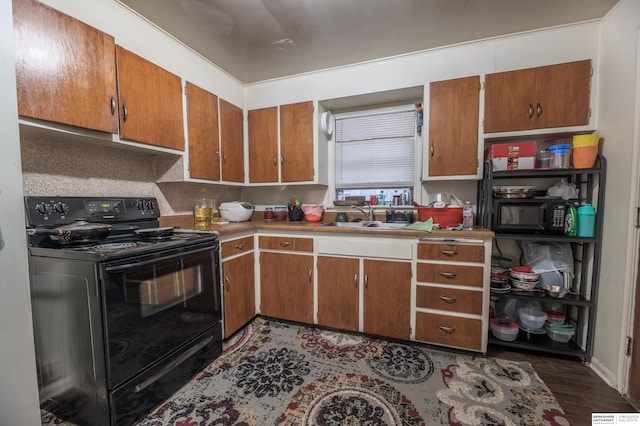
{"x":375,"y":150}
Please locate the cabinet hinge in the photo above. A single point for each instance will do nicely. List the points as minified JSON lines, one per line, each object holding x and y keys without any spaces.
{"x":628,"y":346}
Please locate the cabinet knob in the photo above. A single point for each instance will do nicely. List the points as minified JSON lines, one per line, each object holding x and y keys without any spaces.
{"x":125,"y":112}
{"x":113,"y":105}
{"x":275,"y":162}
{"x":227,"y":282}
{"x":530,"y":111}
{"x":432,"y":150}
{"x":539,"y":110}
{"x":366,"y":281}
{"x":355,"y":280}
{"x":310,"y":276}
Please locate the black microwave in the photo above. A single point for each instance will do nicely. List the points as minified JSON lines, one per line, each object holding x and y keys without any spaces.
{"x":538,"y":215}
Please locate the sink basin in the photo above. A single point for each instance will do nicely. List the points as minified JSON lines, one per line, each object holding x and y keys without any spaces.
{"x":366,"y":224}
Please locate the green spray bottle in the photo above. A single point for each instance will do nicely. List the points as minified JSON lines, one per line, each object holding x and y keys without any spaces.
{"x":571,"y":219}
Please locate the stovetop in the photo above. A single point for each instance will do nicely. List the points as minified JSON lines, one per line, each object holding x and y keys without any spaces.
{"x":128,"y":216}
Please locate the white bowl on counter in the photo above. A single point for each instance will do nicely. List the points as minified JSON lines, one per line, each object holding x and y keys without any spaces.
{"x":236,"y":211}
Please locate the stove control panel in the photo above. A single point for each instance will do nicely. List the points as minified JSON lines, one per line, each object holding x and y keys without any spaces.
{"x":56,"y":211}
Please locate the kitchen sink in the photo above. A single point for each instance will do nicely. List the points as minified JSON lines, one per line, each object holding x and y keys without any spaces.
{"x":366,"y":224}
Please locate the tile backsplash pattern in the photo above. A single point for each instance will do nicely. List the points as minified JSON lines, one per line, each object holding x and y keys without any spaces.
{"x":71,"y":168}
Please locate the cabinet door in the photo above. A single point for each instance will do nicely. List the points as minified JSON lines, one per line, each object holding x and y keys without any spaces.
{"x":286,"y":286}
{"x":231,"y":143}
{"x":453,"y":127}
{"x":239,"y":292}
{"x":202,"y":124}
{"x":387,"y":289}
{"x":263,"y":145}
{"x":562,"y":94}
{"x":150,"y":102}
{"x":338,"y":292}
{"x":509,"y":101}
{"x":74,"y":86}
{"x":296,"y":142}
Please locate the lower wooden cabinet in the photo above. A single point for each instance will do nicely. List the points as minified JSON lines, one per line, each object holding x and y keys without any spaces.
{"x":238,"y":283}
{"x":338,"y":292}
{"x":239,"y":292}
{"x":286,"y":286}
{"x":387,"y":298}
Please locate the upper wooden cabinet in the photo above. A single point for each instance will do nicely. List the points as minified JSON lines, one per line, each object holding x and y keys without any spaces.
{"x":263,"y":145}
{"x":292,"y":160}
{"x":296,"y":142}
{"x":231,"y":142}
{"x":453,"y":127}
{"x":536,"y":98}
{"x":150,"y":102}
{"x":74,"y":86}
{"x":204,"y":141}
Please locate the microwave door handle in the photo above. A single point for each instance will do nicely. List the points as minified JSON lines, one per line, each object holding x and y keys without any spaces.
{"x":542,"y":222}
{"x":127,"y":266}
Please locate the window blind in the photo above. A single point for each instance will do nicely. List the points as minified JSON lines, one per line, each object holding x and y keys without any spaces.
{"x":375,"y":148}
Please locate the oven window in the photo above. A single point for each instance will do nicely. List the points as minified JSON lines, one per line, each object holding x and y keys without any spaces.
{"x":161,"y":287}
{"x":524,"y":215}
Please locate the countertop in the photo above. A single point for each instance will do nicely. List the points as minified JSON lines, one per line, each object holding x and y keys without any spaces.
{"x":257,"y":224}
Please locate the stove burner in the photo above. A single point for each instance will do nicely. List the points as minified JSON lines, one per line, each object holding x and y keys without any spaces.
{"x":114,"y":246}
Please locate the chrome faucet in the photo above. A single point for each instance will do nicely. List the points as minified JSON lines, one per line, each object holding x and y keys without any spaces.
{"x":369,"y":215}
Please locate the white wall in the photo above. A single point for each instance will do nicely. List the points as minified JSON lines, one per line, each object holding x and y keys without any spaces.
{"x":18,"y":383}
{"x":617,"y":87}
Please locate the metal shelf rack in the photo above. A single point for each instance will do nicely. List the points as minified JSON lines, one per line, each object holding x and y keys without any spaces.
{"x":582,"y":301}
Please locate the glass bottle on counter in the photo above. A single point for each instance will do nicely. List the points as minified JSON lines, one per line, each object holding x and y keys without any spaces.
{"x":203,"y":210}
{"x":467,"y":216}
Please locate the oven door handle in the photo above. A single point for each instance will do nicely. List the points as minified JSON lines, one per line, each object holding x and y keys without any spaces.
{"x":121,"y":268}
{"x":173,"y":364}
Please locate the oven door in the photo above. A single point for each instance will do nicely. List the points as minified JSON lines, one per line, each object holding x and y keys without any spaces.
{"x":155,"y":304}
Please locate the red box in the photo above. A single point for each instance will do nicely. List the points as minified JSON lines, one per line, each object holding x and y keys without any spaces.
{"x":512,"y":156}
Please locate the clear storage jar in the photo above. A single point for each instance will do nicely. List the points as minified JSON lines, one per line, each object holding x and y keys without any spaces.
{"x":560,"y":156}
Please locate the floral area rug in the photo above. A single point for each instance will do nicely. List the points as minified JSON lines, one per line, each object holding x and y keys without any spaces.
{"x":277,"y":373}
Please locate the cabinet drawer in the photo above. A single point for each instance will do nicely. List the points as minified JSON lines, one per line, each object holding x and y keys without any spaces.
{"x":449,"y":330}
{"x":450,"y":274}
{"x":241,"y":245}
{"x":459,"y":252}
{"x":286,"y":243}
{"x":449,"y":299}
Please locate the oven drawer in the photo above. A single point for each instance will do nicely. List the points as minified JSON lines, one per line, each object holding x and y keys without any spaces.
{"x":237,"y":246}
{"x":141,"y":394}
{"x":456,"y":252}
{"x":449,"y":330}
{"x":449,"y":299}
{"x":286,"y":243}
{"x":450,"y":274}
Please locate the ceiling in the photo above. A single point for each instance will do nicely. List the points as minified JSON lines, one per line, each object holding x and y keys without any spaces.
{"x":255,"y":40}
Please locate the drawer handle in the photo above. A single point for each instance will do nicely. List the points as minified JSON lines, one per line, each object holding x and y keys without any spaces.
{"x":239,"y":246}
{"x":449,"y":253}
{"x":448,"y":299}
{"x":285,"y":243}
{"x":355,"y":280}
{"x":448,"y":274}
{"x":447,"y":329}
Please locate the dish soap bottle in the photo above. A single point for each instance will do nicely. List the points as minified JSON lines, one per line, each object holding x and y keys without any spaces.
{"x":381,"y":199}
{"x":467,"y":216}
{"x":571,"y":219}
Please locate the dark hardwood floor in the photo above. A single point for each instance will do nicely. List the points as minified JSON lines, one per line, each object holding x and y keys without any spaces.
{"x":578,"y":389}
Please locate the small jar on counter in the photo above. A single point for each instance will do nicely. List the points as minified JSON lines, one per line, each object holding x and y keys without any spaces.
{"x":280,"y":213}
{"x":269,"y":214}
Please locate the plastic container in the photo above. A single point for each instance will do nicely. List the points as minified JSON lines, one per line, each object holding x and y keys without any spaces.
{"x":543,"y":159}
{"x":467,"y":216}
{"x":560,"y":156}
{"x":504,"y":329}
{"x":313,"y":212}
{"x":280,"y":213}
{"x":532,"y":318}
{"x":269,"y":214}
{"x":560,"y":333}
{"x":444,"y":216}
{"x":585,"y":150}
{"x":571,"y":220}
{"x":555,"y":317}
{"x":586,"y":221}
